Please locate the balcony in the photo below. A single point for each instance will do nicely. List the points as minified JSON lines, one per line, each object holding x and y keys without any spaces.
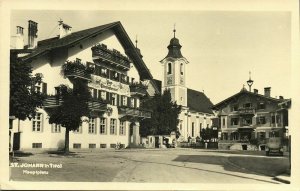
{"x":97,"y":105}
{"x":134,"y":112}
{"x":101,"y":51}
{"x":77,"y":73}
{"x":246,"y":111}
{"x":138,"y":89}
{"x":93,"y":104}
{"x":52,"y":101}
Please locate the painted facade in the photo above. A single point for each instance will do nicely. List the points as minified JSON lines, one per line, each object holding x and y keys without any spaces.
{"x":249,"y":117}
{"x":115,"y":90}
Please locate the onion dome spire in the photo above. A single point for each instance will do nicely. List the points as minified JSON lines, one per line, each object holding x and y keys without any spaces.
{"x":174,"y":47}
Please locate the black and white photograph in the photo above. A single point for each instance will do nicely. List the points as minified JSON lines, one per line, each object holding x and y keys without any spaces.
{"x":177,"y":95}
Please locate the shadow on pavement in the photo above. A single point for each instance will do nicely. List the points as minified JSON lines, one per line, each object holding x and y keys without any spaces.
{"x":250,"y":165}
{"x":62,"y":154}
{"x":21,"y":154}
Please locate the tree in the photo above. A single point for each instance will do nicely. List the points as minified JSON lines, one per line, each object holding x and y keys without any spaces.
{"x":74,"y":105}
{"x":164,"y":118}
{"x":24,"y":100}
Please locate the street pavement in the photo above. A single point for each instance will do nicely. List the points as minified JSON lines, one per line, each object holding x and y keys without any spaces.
{"x":152,"y":166}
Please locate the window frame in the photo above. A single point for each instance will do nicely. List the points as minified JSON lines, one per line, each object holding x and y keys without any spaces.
{"x":35,"y":122}
{"x":113,"y":125}
{"x":103,"y":123}
{"x":122,"y":125}
{"x":92,"y":125}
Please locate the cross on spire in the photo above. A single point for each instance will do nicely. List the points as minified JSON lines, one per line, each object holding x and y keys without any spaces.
{"x":136,"y":41}
{"x":174,"y":30}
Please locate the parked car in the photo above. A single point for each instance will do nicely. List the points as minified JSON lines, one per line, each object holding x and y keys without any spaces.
{"x":274,"y":146}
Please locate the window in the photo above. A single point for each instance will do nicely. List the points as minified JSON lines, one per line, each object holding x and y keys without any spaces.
{"x":92,"y":125}
{"x":235,"y":107}
{"x":207,"y":125}
{"x":76,"y":146}
{"x":273,"y":119}
{"x":262,"y":135}
{"x":79,"y":130}
{"x":223,"y":121}
{"x":247,"y":105}
{"x":131,"y":102}
{"x":92,"y":146}
{"x":278,"y":119}
{"x":38,"y":87}
{"x":56,"y":128}
{"x":95,"y":91}
{"x":234,"y":121}
{"x":122,"y":127}
{"x":193,"y":129}
{"x":102,"y":146}
{"x":112,"y":145}
{"x":113,"y":126}
{"x":261,"y":120}
{"x":180,"y":125}
{"x":37,"y":122}
{"x":261,"y":105}
{"x":36,"y":145}
{"x":124,"y":100}
{"x":181,"y":68}
{"x":102,"y":125}
{"x":103,"y":95}
{"x":114,"y":99}
{"x":169,"y":68}
{"x":247,"y":121}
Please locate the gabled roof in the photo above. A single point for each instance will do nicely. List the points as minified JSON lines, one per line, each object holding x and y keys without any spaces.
{"x":48,"y":45}
{"x":226,"y":101}
{"x":197,"y":101}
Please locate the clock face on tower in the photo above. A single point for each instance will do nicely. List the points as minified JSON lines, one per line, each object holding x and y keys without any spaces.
{"x":169,"y":80}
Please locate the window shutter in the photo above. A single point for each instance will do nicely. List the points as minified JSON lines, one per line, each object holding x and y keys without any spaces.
{"x":44,"y":88}
{"x":134,"y":103}
{"x":118,"y":99}
{"x":122,"y":97}
{"x":128,"y":101}
{"x":107,"y":97}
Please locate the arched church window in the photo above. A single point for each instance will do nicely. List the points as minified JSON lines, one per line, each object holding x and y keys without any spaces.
{"x":181,"y":68}
{"x":169,"y":68}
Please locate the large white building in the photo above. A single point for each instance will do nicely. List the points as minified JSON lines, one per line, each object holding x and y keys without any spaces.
{"x":116,"y":86}
{"x":196,"y":107}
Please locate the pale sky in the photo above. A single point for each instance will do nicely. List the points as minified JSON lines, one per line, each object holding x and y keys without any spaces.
{"x":221,"y":46}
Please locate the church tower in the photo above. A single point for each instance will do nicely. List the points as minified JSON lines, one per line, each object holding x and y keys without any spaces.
{"x":174,"y":72}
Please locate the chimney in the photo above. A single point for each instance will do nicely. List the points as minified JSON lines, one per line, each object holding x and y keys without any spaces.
{"x":255,"y":91}
{"x":20,"y":38}
{"x":64,"y":29}
{"x":281,"y":97}
{"x":268,"y":91}
{"x":32,"y":34}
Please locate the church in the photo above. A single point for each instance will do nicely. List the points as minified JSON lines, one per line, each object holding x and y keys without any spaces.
{"x":196,"y":106}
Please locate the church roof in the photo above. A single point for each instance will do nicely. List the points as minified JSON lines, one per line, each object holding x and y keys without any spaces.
{"x":197,"y":101}
{"x":174,"y":49}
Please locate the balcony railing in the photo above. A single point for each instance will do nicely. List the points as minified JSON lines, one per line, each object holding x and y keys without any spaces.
{"x":134,"y":112}
{"x":95,"y":105}
{"x":77,"y":73}
{"x":52,"y":101}
{"x":113,"y":56}
{"x":138,"y":89}
{"x":246,"y":111}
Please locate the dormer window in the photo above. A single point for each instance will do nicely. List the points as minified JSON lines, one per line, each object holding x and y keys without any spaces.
{"x":247,"y":105}
{"x":261,"y":105}
{"x":169,"y":68}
